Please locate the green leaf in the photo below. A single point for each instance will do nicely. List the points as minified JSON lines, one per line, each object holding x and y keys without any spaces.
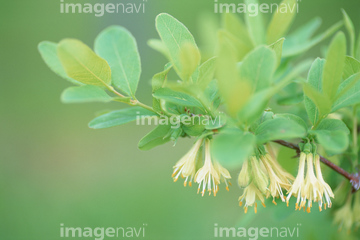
{"x":277,"y":47}
{"x":293,"y":118}
{"x":120,"y":117}
{"x":239,"y":47}
{"x":174,"y":35}
{"x":258,"y":67}
{"x":159,"y":46}
{"x":233,"y":90}
{"x":300,"y":41}
{"x":333,"y":125}
{"x":279,"y":129}
{"x":206,"y":72}
{"x":158,"y":81}
{"x":232,"y":147}
{"x":349,"y":93}
{"x":82,"y":64}
{"x":281,"y":21}
{"x":352,"y":66}
{"x":334,"y":142}
{"x":118,"y":47}
{"x":237,"y":28}
{"x":158,"y":136}
{"x":351,"y":30}
{"x":321,"y":101}
{"x":195,"y":125}
{"x":82,"y":94}
{"x":175,"y":97}
{"x":334,"y":65}
{"x":255,"y":24}
{"x":189,"y":60}
{"x":49,"y":55}
{"x":314,"y":81}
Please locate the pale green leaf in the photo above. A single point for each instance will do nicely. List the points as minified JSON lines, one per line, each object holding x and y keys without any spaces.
{"x":333,"y":125}
{"x":49,"y":55}
{"x":206,"y":72}
{"x":159,"y":46}
{"x":237,"y":28}
{"x":352,"y":66}
{"x":334,"y":142}
{"x":83,"y":94}
{"x":189,"y":60}
{"x":120,"y":117}
{"x":351,"y":31}
{"x":301,"y":41}
{"x":158,"y":136}
{"x":258,"y":67}
{"x":334,"y":65}
{"x":279,"y":129}
{"x":315,"y":81}
{"x":173,"y":34}
{"x":349,"y":93}
{"x":232,"y":147}
{"x":255,"y":24}
{"x":82,"y":64}
{"x":175,"y":97}
{"x":281,"y":21}
{"x":277,"y":47}
{"x":118,"y":47}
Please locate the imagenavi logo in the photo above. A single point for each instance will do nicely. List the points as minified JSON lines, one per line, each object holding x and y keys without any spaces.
{"x":253,"y":233}
{"x":253,"y":9}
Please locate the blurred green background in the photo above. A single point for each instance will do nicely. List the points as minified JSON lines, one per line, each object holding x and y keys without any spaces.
{"x":54,"y":169}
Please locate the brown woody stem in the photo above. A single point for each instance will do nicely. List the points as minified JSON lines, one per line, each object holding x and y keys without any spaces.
{"x":353,"y":178}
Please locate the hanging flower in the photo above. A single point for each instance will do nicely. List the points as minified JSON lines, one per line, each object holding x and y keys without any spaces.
{"x":299,"y":184}
{"x":325,"y":189}
{"x":255,"y":182}
{"x":279,"y":179}
{"x":208,"y":177}
{"x":186,"y":166}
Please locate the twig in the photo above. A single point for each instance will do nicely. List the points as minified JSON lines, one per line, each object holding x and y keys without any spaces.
{"x":353,"y":178}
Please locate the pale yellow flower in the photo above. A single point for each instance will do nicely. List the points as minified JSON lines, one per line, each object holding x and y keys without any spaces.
{"x":326,"y":192}
{"x":224,"y":174}
{"x":312,"y":189}
{"x":298,"y":185}
{"x":186,"y":166}
{"x":277,"y":182}
{"x":250,"y":195}
{"x":208,"y":177}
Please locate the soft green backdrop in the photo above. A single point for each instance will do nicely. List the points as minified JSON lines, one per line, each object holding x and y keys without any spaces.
{"x":54,"y":169}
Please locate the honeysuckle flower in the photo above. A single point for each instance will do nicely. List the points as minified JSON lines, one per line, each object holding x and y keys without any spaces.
{"x":244,"y":176}
{"x":255,"y":181}
{"x":224,"y":174}
{"x":284,"y":176}
{"x":277,"y":181}
{"x":326,"y":192}
{"x":186,"y":166}
{"x":207,"y":176}
{"x":344,"y":216}
{"x":312,"y":189}
{"x":298,"y":185}
{"x":250,"y":195}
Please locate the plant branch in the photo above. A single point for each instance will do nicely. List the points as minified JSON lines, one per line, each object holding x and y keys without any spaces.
{"x":353,"y":178}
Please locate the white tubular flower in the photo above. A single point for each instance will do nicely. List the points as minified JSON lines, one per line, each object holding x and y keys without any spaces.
{"x":312,"y":188}
{"x":326,"y":192}
{"x":255,"y":181}
{"x":284,"y":176}
{"x":186,"y":166}
{"x":208,"y":177}
{"x":298,"y":185}
{"x":276,"y":182}
{"x":250,"y":195}
{"x":223,"y":173}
